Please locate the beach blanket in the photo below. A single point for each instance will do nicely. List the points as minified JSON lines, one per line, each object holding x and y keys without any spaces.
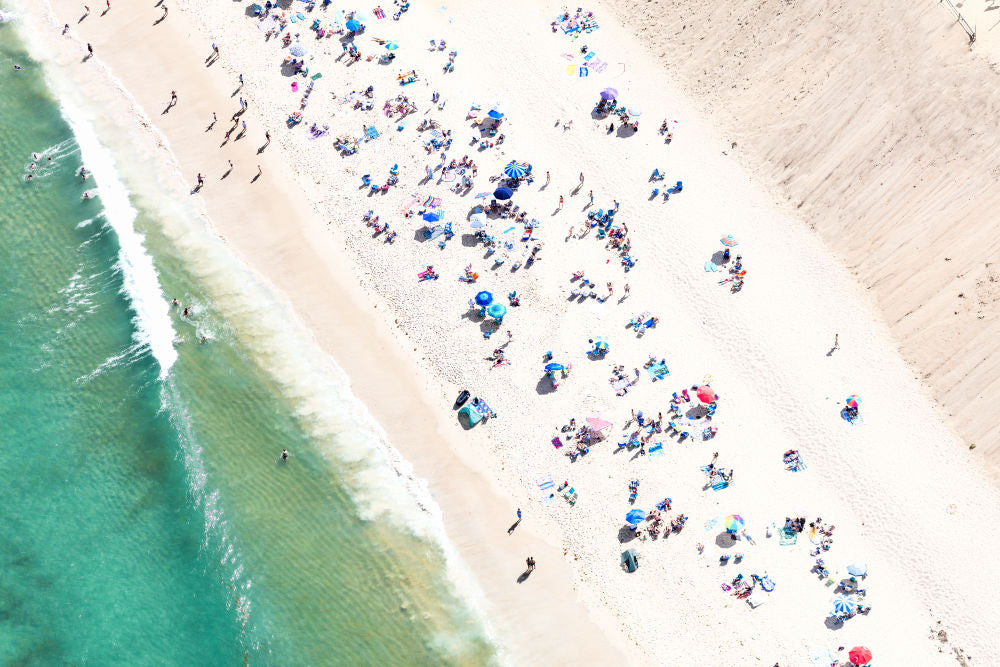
{"x":267,"y":24}
{"x":547,"y":488}
{"x":787,"y":537}
{"x":371,"y":132}
{"x":711,"y":523}
{"x":621,"y":385}
{"x":711,"y":266}
{"x":658,"y":371}
{"x":719,"y":486}
{"x":656,"y":450}
{"x":557,"y":443}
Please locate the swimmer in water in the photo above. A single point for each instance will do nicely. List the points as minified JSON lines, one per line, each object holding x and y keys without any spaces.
{"x":17,"y":67}
{"x":86,"y":195}
{"x":187,"y":311}
{"x":284,"y":454}
{"x":32,"y":166}
{"x":35,"y":156}
{"x":175,"y":302}
{"x":29,"y":177}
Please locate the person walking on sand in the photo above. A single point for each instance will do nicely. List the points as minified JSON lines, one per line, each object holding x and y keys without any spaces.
{"x":267,"y":138}
{"x":90,"y":50}
{"x":627,"y":290}
{"x":259,"y":171}
{"x":560,"y":202}
{"x":836,"y":341}
{"x":591,"y":197}
{"x":173,"y":97}
{"x":581,"y":178}
{"x":86,"y":11}
{"x":531,"y":563}
{"x":548,"y":178}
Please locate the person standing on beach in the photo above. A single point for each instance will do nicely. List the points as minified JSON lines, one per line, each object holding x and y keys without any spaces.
{"x":267,"y":138}
{"x":241,"y":80}
{"x":581,"y":178}
{"x":518,"y":513}
{"x":560,"y":202}
{"x":548,"y":178}
{"x":591,"y":197}
{"x":836,"y":341}
{"x":173,"y":97}
{"x":109,"y":7}
{"x":90,"y":50}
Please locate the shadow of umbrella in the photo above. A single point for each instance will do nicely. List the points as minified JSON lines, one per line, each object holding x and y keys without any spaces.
{"x":725,"y":540}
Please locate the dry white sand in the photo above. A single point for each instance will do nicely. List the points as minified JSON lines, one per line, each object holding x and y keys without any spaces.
{"x":904,"y":497}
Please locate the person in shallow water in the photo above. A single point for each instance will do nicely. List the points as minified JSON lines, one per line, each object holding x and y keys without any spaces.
{"x":284,"y":454}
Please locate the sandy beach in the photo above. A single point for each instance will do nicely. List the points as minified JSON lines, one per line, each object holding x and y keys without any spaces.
{"x":906,"y":495}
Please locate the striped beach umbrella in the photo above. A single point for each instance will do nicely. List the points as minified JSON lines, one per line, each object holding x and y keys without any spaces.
{"x":853,"y":401}
{"x":601,"y":344}
{"x":515,"y":170}
{"x":729,"y":240}
{"x":635,"y":112}
{"x":844,"y":605}
{"x":734,"y":523}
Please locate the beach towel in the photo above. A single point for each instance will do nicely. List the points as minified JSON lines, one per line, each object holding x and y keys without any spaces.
{"x":317,"y":75}
{"x":621,"y":385}
{"x":658,"y":371}
{"x":267,"y":24}
{"x":547,"y":488}
{"x":711,"y":266}
{"x":719,"y":486}
{"x":371,"y":132}
{"x":767,"y":584}
{"x":711,"y":523}
{"x":293,"y":18}
{"x":379,"y":14}
{"x":787,"y":537}
{"x":656,"y":450}
{"x":557,"y":443}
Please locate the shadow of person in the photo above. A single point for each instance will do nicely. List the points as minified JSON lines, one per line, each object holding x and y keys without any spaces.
{"x":513,"y":527}
{"x":524,"y":576}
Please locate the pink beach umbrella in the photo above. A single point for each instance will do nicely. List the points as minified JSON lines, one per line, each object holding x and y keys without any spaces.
{"x":706,"y":394}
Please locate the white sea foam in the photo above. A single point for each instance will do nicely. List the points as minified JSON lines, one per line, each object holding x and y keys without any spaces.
{"x":139,"y":278}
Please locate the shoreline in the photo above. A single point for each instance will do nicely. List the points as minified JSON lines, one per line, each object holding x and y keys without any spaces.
{"x":519,"y":621}
{"x":303,"y":261}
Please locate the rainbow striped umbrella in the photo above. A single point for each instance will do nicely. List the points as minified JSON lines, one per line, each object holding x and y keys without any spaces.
{"x":734,"y":523}
{"x":853,"y":401}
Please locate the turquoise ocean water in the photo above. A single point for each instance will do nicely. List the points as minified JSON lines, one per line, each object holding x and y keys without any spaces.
{"x":147,"y":517}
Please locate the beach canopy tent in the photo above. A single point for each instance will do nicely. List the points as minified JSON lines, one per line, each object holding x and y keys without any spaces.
{"x":484,"y":298}
{"x":609,"y":94}
{"x":503,"y":193}
{"x":706,"y":395}
{"x":475,"y":412}
{"x":859,"y":655}
{"x":634,"y":517}
{"x":599,"y":426}
{"x":630,"y":559}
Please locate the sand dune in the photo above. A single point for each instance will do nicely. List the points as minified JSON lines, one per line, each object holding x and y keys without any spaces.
{"x":877,"y":124}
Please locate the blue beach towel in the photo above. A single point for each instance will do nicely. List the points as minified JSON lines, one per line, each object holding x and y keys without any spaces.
{"x":656,"y":450}
{"x":658,"y":371}
{"x":718,"y":486}
{"x":371,"y":132}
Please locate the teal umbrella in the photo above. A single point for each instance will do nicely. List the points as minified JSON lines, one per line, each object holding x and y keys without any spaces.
{"x":497,"y":310}
{"x":391,"y":46}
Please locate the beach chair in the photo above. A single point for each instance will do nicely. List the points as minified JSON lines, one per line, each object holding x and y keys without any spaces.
{"x":568,"y":493}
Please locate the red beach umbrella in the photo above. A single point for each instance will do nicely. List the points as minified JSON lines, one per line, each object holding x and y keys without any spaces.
{"x":859,"y":655}
{"x":706,"y":395}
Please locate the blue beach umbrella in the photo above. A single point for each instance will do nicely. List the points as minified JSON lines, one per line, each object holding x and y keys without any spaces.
{"x":635,"y":516}
{"x":600,"y":344}
{"x":484,"y":298}
{"x":503,"y":193}
{"x":497,"y":311}
{"x":353,"y":25}
{"x":297,"y":50}
{"x":857,"y":569}
{"x":844,"y":604}
{"x":391,"y":46}
{"x":433,"y":216}
{"x":515,"y":170}
{"x":554,"y":367}
{"x":494,"y":114}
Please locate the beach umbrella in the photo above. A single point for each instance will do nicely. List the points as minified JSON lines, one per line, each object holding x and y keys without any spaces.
{"x":609,"y":94}
{"x":859,"y":655}
{"x":353,"y":25}
{"x":432,"y":216}
{"x":484,"y":298}
{"x":706,"y":394}
{"x":494,"y":114}
{"x":483,"y":195}
{"x":297,"y":50}
{"x":734,"y":523}
{"x":635,"y":112}
{"x":554,"y":367}
{"x":729,"y":240}
{"x":853,"y":401}
{"x":635,"y":516}
{"x":601,"y":344}
{"x":857,"y":569}
{"x":844,"y":605}
{"x":391,"y":46}
{"x":478,"y":220}
{"x":515,"y":170}
{"x":497,"y":310}
{"x":503,"y":193}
